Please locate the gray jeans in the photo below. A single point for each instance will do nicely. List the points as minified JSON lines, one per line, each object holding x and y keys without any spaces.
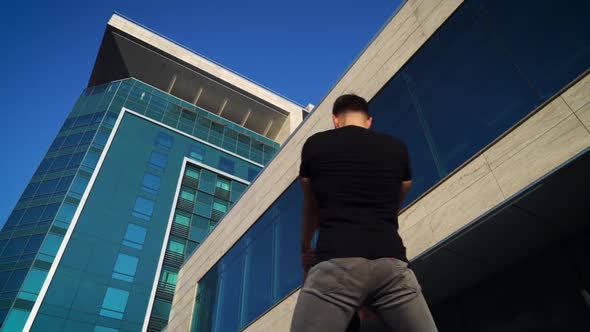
{"x":336,"y":288}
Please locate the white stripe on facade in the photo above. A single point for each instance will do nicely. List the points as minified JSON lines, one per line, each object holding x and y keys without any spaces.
{"x":71,"y":228}
{"x":185,"y":161}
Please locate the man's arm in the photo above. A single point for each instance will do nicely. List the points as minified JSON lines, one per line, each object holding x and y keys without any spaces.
{"x":309,"y":223}
{"x":406,"y":185}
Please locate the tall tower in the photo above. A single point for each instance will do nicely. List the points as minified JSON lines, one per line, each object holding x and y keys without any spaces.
{"x":157,"y":148}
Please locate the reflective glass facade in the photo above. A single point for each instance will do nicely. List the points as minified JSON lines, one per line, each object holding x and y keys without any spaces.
{"x":261,"y":269}
{"x":105,"y":278}
{"x":490,"y":65}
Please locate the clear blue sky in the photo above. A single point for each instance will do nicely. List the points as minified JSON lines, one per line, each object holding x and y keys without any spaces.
{"x":296,"y":48}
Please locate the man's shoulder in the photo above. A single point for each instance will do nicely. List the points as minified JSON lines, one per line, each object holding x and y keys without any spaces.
{"x":319,"y":137}
{"x":390,"y":139}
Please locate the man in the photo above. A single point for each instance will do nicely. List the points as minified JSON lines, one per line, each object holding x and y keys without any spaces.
{"x":354,"y":182}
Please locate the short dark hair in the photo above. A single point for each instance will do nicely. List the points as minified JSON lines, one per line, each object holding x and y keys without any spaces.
{"x":350,"y":102}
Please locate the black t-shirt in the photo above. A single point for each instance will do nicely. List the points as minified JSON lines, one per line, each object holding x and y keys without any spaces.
{"x":356,"y":176}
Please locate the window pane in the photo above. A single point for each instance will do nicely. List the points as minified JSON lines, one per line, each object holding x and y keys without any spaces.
{"x":125,"y":267}
{"x":176,"y":246}
{"x":164,"y":141}
{"x":76,"y":159}
{"x":91,"y":159}
{"x":190,"y":172}
{"x":161,"y":309}
{"x":222,"y":183}
{"x":226,"y":165}
{"x":252,"y":173}
{"x":199,"y":229}
{"x":157,"y":161}
{"x":50,"y":212}
{"x":258,"y":279}
{"x":227,"y":318}
{"x":15,"y":246}
{"x":182,"y":218}
{"x":150,"y":183}
{"x":394,"y":113}
{"x":482,"y":109}
{"x":169,"y":277}
{"x":134,"y":236}
{"x":66,"y":212}
{"x":207,"y":181}
{"x":143,"y":208}
{"x":197,"y":153}
{"x":34,"y":243}
{"x":188,"y":194}
{"x":64,"y":184}
{"x":524,"y":27}
{"x":114,"y":303}
{"x":16,"y":280}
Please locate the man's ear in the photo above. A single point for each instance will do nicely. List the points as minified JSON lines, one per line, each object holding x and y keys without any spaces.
{"x":369,"y":122}
{"x":336,"y":121}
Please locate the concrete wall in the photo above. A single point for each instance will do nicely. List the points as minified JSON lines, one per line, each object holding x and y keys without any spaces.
{"x":545,"y":140}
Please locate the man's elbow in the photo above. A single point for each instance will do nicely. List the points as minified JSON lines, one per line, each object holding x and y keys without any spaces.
{"x":406,"y":185}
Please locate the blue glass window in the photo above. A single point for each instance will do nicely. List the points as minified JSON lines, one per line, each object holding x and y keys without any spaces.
{"x":161,"y":309}
{"x":76,"y":159}
{"x":125,"y":267}
{"x":99,"y":328}
{"x":176,"y":245}
{"x":72,"y":140}
{"x":88,"y":136}
{"x":150,"y":183}
{"x":187,"y":194}
{"x":32,"y":284}
{"x":157,"y":161}
{"x":199,"y":229}
{"x":15,"y":246}
{"x":91,"y":159}
{"x":258,"y":277}
{"x":50,"y":247}
{"x":243,"y":146}
{"x":44,"y":166}
{"x":50,"y":212}
{"x":207,"y":182}
{"x":114,"y":303}
{"x":57,"y":142}
{"x":64,"y":184}
{"x":196,"y":153}
{"x":60,"y":163}
{"x":83,"y":120}
{"x":226,"y":165}
{"x":143,"y":208}
{"x":32,"y":214}
{"x":34,"y":243}
{"x":66,"y":212}
{"x":16,"y":319}
{"x":102,"y":137}
{"x":204,"y":204}
{"x":182,"y":218}
{"x":79,"y":186}
{"x":265,"y":259}
{"x":134,"y":236}
{"x":97,"y":117}
{"x":252,"y":173}
{"x":16,"y":280}
{"x":164,"y":141}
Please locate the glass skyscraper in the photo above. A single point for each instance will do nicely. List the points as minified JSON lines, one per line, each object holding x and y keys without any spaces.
{"x":155,"y":151}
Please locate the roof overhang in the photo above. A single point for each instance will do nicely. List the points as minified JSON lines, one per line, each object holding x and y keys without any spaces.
{"x":131,"y":50}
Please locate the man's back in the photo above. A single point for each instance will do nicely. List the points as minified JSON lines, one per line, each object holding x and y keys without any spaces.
{"x":356,"y":176}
